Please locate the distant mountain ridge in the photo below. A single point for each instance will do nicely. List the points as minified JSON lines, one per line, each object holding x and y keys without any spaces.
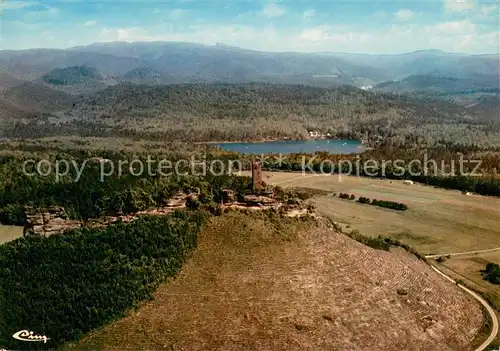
{"x":179,"y":62}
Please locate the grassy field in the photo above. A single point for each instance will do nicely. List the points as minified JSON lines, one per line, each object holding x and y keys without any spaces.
{"x":8,"y":233}
{"x":470,"y":267}
{"x":438,"y":220}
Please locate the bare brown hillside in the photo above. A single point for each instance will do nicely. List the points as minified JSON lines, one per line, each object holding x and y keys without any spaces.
{"x":260,"y":284}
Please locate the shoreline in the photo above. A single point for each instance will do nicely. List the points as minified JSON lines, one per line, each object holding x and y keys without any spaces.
{"x":270,"y":141}
{"x":362,"y":147}
{"x":246,"y":141}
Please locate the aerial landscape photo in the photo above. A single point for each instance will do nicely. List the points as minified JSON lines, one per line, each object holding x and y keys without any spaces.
{"x":250,"y":175}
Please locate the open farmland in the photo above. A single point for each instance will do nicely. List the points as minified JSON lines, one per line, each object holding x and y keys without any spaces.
{"x":8,"y":233}
{"x":437,"y":221}
{"x":256,"y":283}
{"x":469,"y":267}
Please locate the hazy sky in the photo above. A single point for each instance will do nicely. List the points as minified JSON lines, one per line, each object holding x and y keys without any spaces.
{"x":354,"y":26}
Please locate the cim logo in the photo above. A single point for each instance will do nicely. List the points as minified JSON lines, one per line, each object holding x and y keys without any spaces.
{"x":25,"y":335}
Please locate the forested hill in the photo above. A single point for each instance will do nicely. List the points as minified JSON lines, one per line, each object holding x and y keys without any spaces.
{"x":330,"y":108}
{"x":38,"y":97}
{"x":71,"y":75}
{"x":257,"y":111}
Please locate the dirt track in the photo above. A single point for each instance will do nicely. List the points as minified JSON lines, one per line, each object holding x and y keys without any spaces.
{"x":467,"y":253}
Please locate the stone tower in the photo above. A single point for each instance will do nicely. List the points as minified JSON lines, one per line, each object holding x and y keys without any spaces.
{"x":257,"y":175}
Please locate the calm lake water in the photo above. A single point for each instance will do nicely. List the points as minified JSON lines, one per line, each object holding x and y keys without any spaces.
{"x":295,"y":146}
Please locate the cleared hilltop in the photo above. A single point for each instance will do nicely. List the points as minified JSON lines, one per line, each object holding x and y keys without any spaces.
{"x":263,"y":283}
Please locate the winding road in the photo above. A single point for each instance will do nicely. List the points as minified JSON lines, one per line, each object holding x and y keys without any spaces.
{"x":486,"y":305}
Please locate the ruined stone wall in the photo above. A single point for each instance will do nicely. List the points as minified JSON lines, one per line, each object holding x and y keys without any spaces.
{"x":48,"y":221}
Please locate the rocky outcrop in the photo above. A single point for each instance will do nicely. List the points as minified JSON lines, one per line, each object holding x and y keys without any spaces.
{"x":48,"y":221}
{"x":266,"y":200}
{"x":54,"y":219}
{"x":177,"y":201}
{"x":258,"y":200}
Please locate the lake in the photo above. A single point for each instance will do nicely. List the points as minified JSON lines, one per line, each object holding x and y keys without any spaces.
{"x":332,"y":146}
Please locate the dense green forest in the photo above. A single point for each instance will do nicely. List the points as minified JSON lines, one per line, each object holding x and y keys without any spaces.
{"x":258,"y":112}
{"x":88,"y":195}
{"x":63,"y":286}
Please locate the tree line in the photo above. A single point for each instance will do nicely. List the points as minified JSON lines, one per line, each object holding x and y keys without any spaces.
{"x":380,"y":203}
{"x":116,"y":194}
